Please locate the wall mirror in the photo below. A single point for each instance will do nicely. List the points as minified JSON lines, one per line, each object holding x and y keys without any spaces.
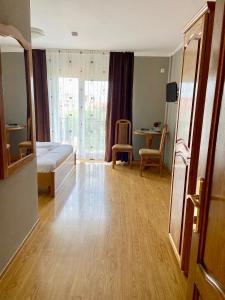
{"x":16,"y":106}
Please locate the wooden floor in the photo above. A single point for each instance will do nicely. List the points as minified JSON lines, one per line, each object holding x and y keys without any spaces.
{"x":104,"y":237}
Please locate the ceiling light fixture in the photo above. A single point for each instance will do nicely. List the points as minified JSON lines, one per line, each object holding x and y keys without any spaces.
{"x":37,"y":32}
{"x":74,"y":33}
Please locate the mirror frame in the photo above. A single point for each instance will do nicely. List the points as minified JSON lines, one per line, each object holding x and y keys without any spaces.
{"x":5,"y":168}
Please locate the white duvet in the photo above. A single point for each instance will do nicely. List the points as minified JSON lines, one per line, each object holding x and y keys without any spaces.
{"x":51,"y":155}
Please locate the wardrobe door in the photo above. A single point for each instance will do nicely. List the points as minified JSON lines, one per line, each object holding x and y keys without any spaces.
{"x":207,"y":264}
{"x":196,"y":57}
{"x":182,"y":150}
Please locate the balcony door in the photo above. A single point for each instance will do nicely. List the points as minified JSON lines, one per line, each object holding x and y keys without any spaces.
{"x":78,"y":90}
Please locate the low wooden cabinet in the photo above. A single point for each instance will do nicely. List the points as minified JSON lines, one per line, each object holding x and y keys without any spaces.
{"x":196,"y":55}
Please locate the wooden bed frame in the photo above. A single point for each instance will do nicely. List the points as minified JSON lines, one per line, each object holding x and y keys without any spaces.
{"x":54,"y":179}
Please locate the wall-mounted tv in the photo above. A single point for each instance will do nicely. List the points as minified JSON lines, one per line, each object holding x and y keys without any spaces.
{"x":171,"y":92}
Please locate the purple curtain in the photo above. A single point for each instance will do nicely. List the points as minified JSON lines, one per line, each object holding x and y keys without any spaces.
{"x":120,"y":92}
{"x":41,"y":95}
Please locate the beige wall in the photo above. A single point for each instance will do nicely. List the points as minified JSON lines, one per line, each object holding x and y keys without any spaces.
{"x":175,"y":74}
{"x":18,"y":193}
{"x":148,"y":95}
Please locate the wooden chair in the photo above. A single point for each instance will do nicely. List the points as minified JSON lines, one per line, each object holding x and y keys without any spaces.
{"x":123,"y":141}
{"x":154,"y":157}
{"x":26,"y":145}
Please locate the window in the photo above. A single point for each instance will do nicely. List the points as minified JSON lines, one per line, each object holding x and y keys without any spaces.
{"x":78,"y":90}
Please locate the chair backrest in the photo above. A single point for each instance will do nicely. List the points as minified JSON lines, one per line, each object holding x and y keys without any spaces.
{"x":123,"y":132}
{"x":163,"y":138}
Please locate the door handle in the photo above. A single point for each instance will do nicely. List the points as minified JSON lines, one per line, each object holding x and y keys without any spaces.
{"x":196,"y":200}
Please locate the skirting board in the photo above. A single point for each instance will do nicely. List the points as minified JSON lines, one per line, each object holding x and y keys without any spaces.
{"x":8,"y":264}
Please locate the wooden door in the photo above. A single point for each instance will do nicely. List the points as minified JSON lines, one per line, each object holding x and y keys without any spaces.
{"x":182,"y":150}
{"x":191,"y":106}
{"x":207,"y":266}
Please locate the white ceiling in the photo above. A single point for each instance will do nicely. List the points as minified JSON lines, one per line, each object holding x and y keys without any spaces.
{"x":146,"y":26}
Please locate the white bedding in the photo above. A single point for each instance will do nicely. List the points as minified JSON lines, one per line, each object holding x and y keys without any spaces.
{"x":48,"y":145}
{"x":51,"y":155}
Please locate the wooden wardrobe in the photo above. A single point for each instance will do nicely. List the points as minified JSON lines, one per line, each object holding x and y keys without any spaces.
{"x":196,"y":56}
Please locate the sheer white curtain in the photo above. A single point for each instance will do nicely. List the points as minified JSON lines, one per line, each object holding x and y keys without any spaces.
{"x":78,"y":88}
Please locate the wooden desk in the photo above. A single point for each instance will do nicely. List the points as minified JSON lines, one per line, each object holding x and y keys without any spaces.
{"x":148,"y":134}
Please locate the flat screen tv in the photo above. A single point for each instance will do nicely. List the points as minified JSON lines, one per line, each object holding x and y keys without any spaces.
{"x":171,"y":92}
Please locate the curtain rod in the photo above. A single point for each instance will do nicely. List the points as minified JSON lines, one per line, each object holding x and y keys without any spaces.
{"x":136,"y":53}
{"x":85,"y":50}
{"x":78,"y":51}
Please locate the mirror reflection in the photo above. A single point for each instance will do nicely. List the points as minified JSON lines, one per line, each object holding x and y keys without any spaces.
{"x":16,"y":107}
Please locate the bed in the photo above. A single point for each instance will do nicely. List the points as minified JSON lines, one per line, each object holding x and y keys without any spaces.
{"x":55,"y":161}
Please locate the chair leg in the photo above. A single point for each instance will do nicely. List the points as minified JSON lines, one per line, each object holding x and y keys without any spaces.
{"x":9,"y":156}
{"x":160,"y":166}
{"x":130,"y":158}
{"x":113,"y":159}
{"x":141,"y":167}
{"x":21,"y":152}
